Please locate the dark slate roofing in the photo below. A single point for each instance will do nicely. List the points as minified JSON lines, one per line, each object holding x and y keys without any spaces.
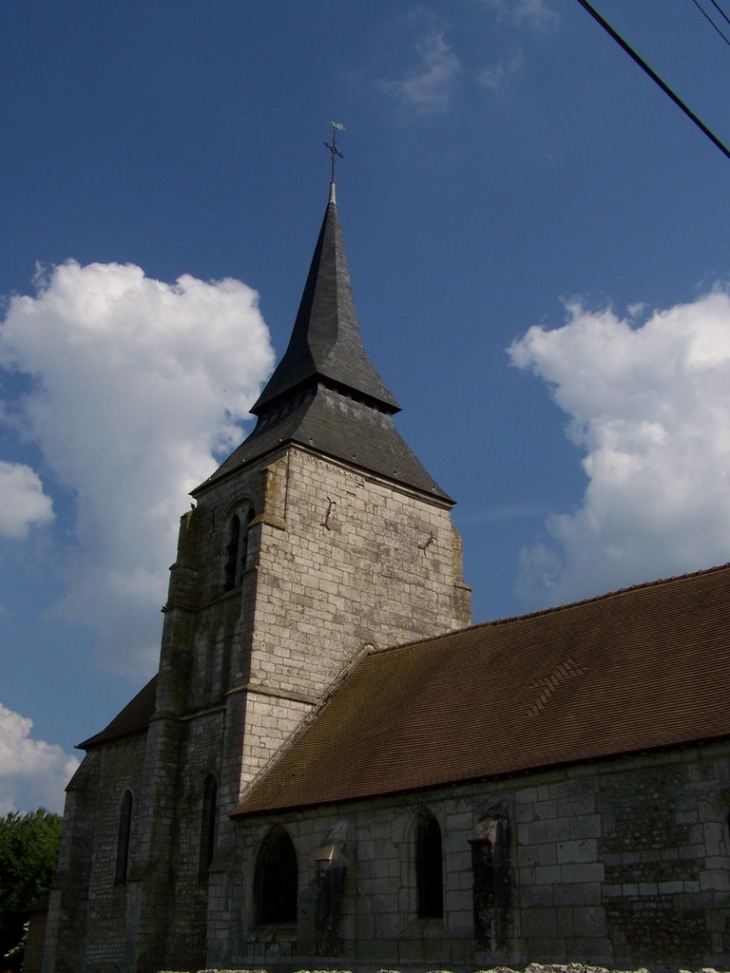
{"x":326,"y":339}
{"x":134,"y":718}
{"x":635,"y":670}
{"x":337,"y":426}
{"x":325,"y":393}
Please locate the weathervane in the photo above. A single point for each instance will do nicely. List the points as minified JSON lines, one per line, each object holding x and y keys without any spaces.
{"x":332,"y":146}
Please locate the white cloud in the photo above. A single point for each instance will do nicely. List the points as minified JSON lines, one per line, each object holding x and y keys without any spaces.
{"x":500,"y":73}
{"x":428,"y":87}
{"x":533,"y":13}
{"x":22,"y":500}
{"x":33,"y":773}
{"x":516,"y":14}
{"x":138,"y":384}
{"x":650,"y":406}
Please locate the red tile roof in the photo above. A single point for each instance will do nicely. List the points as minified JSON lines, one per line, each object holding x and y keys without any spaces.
{"x":640,"y":669}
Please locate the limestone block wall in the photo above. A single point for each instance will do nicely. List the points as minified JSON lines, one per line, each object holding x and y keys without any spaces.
{"x":359,"y":562}
{"x":623,"y":864}
{"x":68,"y":899}
{"x":90,"y":924}
{"x":336,"y":560}
{"x":201,"y":741}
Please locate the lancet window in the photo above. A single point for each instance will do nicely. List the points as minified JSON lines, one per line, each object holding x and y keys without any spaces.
{"x":124,"y":837}
{"x":276,"y":879}
{"x":208,"y":824}
{"x":237,"y":548}
{"x":429,"y":867}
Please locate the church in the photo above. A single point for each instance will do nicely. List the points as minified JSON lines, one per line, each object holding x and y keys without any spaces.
{"x":333,"y":768}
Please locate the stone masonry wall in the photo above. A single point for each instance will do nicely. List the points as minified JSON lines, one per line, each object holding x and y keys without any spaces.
{"x":104,"y":904}
{"x":336,"y":561}
{"x":360,"y":562}
{"x":622,"y":864}
{"x":201,"y":750}
{"x":345,"y":562}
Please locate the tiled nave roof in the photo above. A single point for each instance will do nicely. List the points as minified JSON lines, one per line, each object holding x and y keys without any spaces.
{"x":639,"y":669}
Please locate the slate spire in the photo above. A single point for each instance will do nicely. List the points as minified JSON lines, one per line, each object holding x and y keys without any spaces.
{"x":326,"y":343}
{"x":325,"y":394}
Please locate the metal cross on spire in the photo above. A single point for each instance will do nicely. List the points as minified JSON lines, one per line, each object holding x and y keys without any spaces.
{"x":332,"y":146}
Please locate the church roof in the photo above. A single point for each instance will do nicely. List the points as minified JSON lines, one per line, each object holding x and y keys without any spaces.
{"x":325,"y":393}
{"x":343,"y":428}
{"x":134,"y":718}
{"x":636,"y":670}
{"x":326,"y":341}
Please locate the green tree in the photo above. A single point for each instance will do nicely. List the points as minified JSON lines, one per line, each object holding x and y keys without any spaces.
{"x":28,"y":857}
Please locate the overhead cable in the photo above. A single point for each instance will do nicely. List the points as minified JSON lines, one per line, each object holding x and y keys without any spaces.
{"x":719,"y":9}
{"x":710,"y":21}
{"x":655,"y":77}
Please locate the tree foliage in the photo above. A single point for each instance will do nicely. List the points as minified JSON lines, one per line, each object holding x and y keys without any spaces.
{"x":28,"y":857}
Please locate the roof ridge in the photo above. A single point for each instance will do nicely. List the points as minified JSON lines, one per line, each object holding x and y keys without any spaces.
{"x":554,"y":609}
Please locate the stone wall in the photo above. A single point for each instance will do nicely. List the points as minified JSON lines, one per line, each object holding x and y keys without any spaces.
{"x":623,"y":863}
{"x":90,"y":913}
{"x":336,"y":561}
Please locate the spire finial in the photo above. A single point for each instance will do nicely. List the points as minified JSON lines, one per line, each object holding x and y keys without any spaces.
{"x":334,"y":151}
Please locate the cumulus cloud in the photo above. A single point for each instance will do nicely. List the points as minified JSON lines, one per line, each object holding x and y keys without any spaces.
{"x":32,"y":773}
{"x":427,"y":88}
{"x":649,"y":404}
{"x":138,"y":386}
{"x":22,"y":500}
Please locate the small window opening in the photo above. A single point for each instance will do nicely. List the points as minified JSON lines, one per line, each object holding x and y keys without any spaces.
{"x":124,"y":837}
{"x":208,"y":824}
{"x":429,"y":868}
{"x":276,"y":878}
{"x":234,"y":539}
{"x":237,"y":550}
{"x":244,"y":538}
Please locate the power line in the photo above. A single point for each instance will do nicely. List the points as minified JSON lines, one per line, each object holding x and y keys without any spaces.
{"x":719,"y":9}
{"x":709,"y":19}
{"x":655,"y":78}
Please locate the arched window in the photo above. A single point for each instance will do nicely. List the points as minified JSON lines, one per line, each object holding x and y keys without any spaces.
{"x":234,"y":540}
{"x":244,"y":539}
{"x":429,"y":867}
{"x":124,"y":837}
{"x":275,"y":880}
{"x":208,"y":824}
{"x":237,"y":549}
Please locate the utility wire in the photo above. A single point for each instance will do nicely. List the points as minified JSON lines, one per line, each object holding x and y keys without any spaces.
{"x":719,"y":9}
{"x":710,"y":21}
{"x":655,"y":77}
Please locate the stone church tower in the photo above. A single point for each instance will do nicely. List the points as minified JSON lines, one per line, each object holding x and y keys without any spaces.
{"x":320,"y":537}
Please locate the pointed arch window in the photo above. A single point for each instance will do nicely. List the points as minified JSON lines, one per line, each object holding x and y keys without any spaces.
{"x":243,"y":557}
{"x":276,"y":879}
{"x":237,"y":549}
{"x":234,"y":540}
{"x":208,"y":824}
{"x":429,"y":867}
{"x":124,"y":838}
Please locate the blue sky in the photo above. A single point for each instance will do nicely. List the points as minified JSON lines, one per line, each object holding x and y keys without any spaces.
{"x":538,"y":242}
